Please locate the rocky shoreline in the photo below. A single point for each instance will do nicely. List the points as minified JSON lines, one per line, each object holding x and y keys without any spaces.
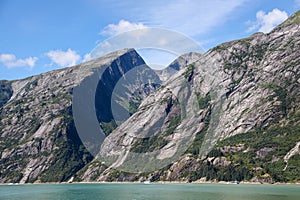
{"x":160,"y":182}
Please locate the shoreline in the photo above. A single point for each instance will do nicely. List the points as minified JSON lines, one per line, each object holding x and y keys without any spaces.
{"x":155,"y":183}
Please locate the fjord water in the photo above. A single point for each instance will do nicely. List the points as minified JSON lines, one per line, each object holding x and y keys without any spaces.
{"x":149,"y":191}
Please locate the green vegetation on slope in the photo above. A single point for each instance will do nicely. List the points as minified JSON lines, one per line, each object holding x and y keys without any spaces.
{"x":69,"y":158}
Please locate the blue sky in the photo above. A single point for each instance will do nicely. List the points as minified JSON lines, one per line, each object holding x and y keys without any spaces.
{"x":38,"y":36}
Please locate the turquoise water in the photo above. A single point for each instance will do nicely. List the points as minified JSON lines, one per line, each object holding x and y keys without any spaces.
{"x":151,"y":191}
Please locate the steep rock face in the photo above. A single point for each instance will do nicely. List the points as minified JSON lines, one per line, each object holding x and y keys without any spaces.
{"x":5,"y":92}
{"x":39,"y":141}
{"x":248,"y":95}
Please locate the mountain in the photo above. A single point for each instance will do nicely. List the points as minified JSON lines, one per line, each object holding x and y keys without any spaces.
{"x":245,"y":126}
{"x":229,"y":114}
{"x":39,"y":141}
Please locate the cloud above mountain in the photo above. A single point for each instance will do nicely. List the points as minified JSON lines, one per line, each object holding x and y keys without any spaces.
{"x":190,"y":17}
{"x":64,"y":58}
{"x":265,"y":22}
{"x":10,"y":61}
{"x":122,"y":26}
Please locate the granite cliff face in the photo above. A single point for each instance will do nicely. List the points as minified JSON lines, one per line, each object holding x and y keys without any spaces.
{"x":229,"y":114}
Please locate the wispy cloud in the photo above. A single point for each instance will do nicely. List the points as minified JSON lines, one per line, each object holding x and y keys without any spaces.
{"x":10,"y":61}
{"x":191,"y":17}
{"x":297,"y":2}
{"x":122,"y":26}
{"x":265,"y":22}
{"x":157,"y":46}
{"x":64,"y":58}
{"x":147,"y":38}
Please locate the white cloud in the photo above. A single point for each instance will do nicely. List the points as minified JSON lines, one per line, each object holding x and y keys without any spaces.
{"x":297,"y":2}
{"x":64,"y":58}
{"x":121,"y":27}
{"x":265,"y":22}
{"x":10,"y":61}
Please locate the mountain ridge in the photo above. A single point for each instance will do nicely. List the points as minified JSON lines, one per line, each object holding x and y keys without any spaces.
{"x":242,"y":100}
